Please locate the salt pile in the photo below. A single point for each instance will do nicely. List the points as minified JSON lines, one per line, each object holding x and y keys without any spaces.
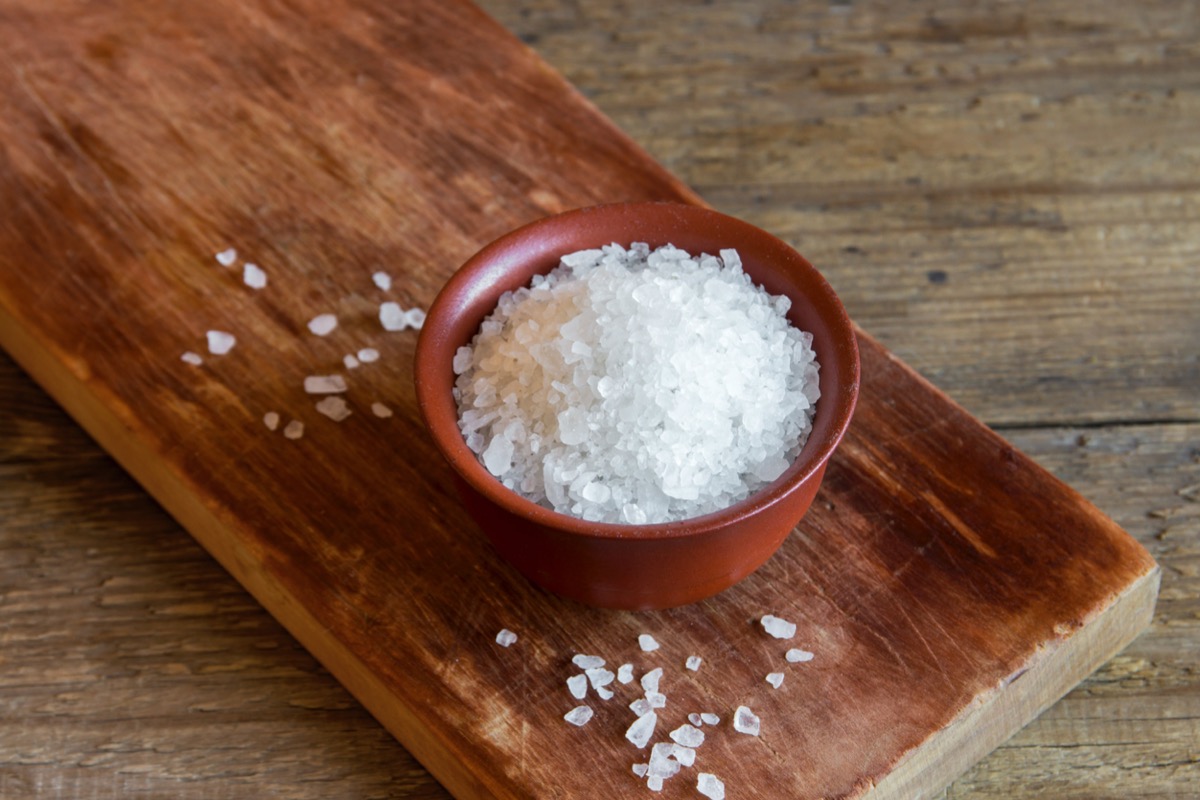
{"x":637,"y":386}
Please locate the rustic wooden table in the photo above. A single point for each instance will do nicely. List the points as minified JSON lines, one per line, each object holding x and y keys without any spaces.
{"x":1007,"y":196}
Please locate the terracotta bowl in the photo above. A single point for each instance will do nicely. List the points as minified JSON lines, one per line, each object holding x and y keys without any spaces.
{"x":636,"y":566}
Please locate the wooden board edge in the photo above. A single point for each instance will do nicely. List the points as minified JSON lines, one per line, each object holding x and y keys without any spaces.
{"x":1051,"y":672}
{"x":436,"y":753}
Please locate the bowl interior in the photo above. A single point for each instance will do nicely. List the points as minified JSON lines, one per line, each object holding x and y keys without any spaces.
{"x":510,"y":263}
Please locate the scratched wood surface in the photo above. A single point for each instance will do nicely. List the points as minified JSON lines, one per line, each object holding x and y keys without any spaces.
{"x":125,"y":619}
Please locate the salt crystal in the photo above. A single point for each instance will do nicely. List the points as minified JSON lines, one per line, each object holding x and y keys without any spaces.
{"x":334,"y":407}
{"x":382,"y":280}
{"x":654,"y":783}
{"x":695,"y":719}
{"x":271,"y":420}
{"x":324,"y":384}
{"x":192,"y":358}
{"x":323,"y":324}
{"x":710,"y":786}
{"x":797,"y":656}
{"x":380,"y":410}
{"x":642,"y":729}
{"x":641,"y":769}
{"x":662,"y":762}
{"x":656,"y":699}
{"x":688,"y":736}
{"x":220,"y":342}
{"x":625,"y":673}
{"x":226,"y":258}
{"x":640,"y":707}
{"x":253,"y":276}
{"x":294,"y":429}
{"x":650,"y":679}
{"x":710,"y":719}
{"x":415,"y":318}
{"x":368,"y":354}
{"x":775,"y":679}
{"x":577,"y":686}
{"x":684,"y":755}
{"x":744,"y":721}
{"x":392,"y":317}
{"x":779,"y":628}
{"x":587,"y":662}
{"x":350,"y":361}
{"x":599,"y":676}
{"x":604,"y":692}
{"x":505,"y":637}
{"x":693,"y":663}
{"x":647,"y":643}
{"x":578,"y":716}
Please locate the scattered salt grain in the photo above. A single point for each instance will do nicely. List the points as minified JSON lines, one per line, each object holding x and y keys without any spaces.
{"x":693,"y":663}
{"x":226,"y":257}
{"x":368,"y":354}
{"x":415,"y":318}
{"x":382,"y":280}
{"x":625,"y":673}
{"x":392,"y":317}
{"x":775,"y":679}
{"x":380,"y":410}
{"x":710,"y":786}
{"x":710,"y":719}
{"x":350,"y":361}
{"x":654,"y":783}
{"x":797,"y":656}
{"x":577,"y":686}
{"x":647,"y":643}
{"x":253,"y":276}
{"x":578,"y":716}
{"x":641,"y":769}
{"x":688,"y":736}
{"x":192,"y":358}
{"x":638,"y":387}
{"x":779,"y":628}
{"x":323,"y":324}
{"x":684,"y":755}
{"x":604,"y":692}
{"x":642,"y":729}
{"x":640,"y":707}
{"x":294,"y":429}
{"x":220,"y":342}
{"x":505,"y":637}
{"x":599,"y":676}
{"x":271,"y":420}
{"x":324,"y":384}
{"x":334,"y":407}
{"x":587,"y":662}
{"x":663,"y":763}
{"x":744,"y":721}
{"x":695,"y":719}
{"x":650,"y":680}
{"x":656,"y":699}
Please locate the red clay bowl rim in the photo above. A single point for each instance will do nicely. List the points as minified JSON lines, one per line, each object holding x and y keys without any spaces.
{"x":440,"y":413}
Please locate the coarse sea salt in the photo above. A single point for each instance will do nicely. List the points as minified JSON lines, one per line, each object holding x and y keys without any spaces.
{"x":368,"y":354}
{"x":271,"y":420}
{"x":192,"y":358}
{"x":392,"y":317}
{"x":693,"y":663}
{"x":382,"y":280}
{"x":744,"y":721}
{"x":334,"y":407}
{"x":220,"y":342}
{"x":294,"y":429}
{"x":380,"y":410}
{"x":505,"y":637}
{"x":688,"y":736}
{"x":324,"y":384}
{"x":775,"y":679}
{"x":647,"y":643}
{"x":637,"y":386}
{"x":323,"y":324}
{"x":710,"y":786}
{"x":577,"y":686}
{"x":350,"y":361}
{"x":253,"y":276}
{"x":625,"y":673}
{"x":797,"y":656}
{"x":578,"y":716}
{"x":227,"y":257}
{"x":779,"y":628}
{"x":642,"y":729}
{"x":586,"y":662}
{"x":710,"y":719}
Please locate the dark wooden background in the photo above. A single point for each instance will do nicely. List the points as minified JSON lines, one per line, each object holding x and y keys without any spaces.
{"x":1007,"y":195}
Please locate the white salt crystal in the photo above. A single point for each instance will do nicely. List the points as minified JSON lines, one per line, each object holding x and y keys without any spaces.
{"x":642,"y":729}
{"x":640,"y":707}
{"x":650,"y":679}
{"x":710,"y":719}
{"x":462,"y":360}
{"x":599,"y":676}
{"x":641,"y":769}
{"x":253,"y":276}
{"x":334,"y":407}
{"x":192,"y":358}
{"x":324,"y":384}
{"x":797,"y":656}
{"x":587,"y":662}
{"x":382,"y":280}
{"x":323,"y":324}
{"x":226,"y":258}
{"x":498,"y":456}
{"x":271,"y":420}
{"x":294,"y":429}
{"x":710,"y":786}
{"x":604,"y":692}
{"x":663,"y":765}
{"x":744,"y":721}
{"x":775,"y":679}
{"x":350,"y":361}
{"x":368,"y":354}
{"x":695,"y":719}
{"x":220,"y":342}
{"x":577,"y":686}
{"x":625,"y":673}
{"x":656,"y":699}
{"x":688,"y":736}
{"x":654,"y":783}
{"x":684,"y":755}
{"x":380,"y":410}
{"x":505,"y":637}
{"x":779,"y":628}
{"x":415,"y":318}
{"x":392,"y":317}
{"x":578,"y":716}
{"x":693,"y":663}
{"x":647,"y":643}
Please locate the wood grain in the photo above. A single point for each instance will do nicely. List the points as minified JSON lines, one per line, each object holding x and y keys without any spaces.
{"x":265,"y":241}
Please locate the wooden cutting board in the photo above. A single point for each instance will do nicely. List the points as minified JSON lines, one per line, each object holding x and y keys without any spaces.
{"x":948,"y":587}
